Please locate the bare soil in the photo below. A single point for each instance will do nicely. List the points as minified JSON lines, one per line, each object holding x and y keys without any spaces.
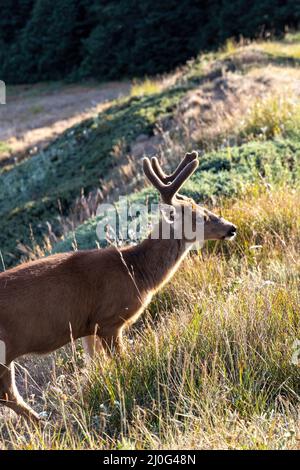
{"x":36,"y":114}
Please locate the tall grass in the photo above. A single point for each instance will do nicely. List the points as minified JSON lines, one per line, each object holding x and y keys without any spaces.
{"x":146,"y":87}
{"x":4,"y":148}
{"x":289,"y":47}
{"x":210,"y":364}
{"x":272,"y":116}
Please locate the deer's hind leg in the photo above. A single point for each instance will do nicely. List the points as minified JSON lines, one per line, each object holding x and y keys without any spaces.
{"x":109,"y":341}
{"x":112,"y":342}
{"x":9,"y":395}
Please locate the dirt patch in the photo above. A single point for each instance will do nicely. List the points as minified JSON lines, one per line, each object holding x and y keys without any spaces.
{"x":35,"y":115}
{"x":216,"y":109}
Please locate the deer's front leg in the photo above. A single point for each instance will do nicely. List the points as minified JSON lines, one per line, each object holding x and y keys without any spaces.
{"x":10,"y":397}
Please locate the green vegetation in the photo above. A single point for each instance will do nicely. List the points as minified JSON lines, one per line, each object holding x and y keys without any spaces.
{"x":146,"y":87}
{"x":52,"y":40}
{"x":4,"y":148}
{"x":39,"y":188}
{"x":226,"y":172}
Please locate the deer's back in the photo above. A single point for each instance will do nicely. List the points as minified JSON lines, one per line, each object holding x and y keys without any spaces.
{"x":44,"y":301}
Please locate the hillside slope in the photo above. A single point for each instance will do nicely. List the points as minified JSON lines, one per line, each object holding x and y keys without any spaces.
{"x":201,"y":107}
{"x":214,"y":362}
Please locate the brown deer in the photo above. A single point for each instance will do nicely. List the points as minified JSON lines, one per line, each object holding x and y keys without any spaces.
{"x":95,"y":293}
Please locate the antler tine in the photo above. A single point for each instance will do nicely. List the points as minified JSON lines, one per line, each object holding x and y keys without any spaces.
{"x":159,"y":171}
{"x":189,"y":157}
{"x":168,"y":191}
{"x":154,"y":179}
{"x":180,"y":179}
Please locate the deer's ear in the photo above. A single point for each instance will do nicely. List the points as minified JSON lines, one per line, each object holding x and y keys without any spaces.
{"x":168,"y":212}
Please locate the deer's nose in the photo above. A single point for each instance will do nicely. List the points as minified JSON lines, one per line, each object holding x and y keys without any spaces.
{"x":232,"y":231}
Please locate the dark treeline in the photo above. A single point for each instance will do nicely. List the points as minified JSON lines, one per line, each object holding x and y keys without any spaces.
{"x":75,"y":39}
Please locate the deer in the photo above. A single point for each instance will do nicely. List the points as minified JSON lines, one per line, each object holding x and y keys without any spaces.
{"x":46,"y":303}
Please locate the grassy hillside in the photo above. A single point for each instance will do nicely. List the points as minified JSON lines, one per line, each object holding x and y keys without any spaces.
{"x":38,"y":188}
{"x":224,"y":173}
{"x":43,"y":189}
{"x":213,"y":361}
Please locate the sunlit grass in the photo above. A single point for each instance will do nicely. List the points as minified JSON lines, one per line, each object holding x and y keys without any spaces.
{"x":272,"y":116}
{"x":289,"y":47}
{"x":146,"y":87}
{"x":210,"y":366}
{"x":230,"y":47}
{"x":4,"y":148}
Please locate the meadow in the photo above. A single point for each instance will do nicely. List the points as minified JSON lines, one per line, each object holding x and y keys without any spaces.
{"x":214,"y":362}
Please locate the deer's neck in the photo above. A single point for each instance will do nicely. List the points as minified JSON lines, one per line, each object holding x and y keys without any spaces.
{"x":154,"y":261}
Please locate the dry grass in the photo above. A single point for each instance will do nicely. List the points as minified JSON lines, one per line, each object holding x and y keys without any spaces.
{"x":274,"y":115}
{"x":289,"y":47}
{"x":211,"y":362}
{"x":146,"y":87}
{"x":262,"y":101}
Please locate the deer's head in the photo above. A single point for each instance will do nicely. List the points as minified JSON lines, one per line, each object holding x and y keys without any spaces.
{"x":184,"y":210}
